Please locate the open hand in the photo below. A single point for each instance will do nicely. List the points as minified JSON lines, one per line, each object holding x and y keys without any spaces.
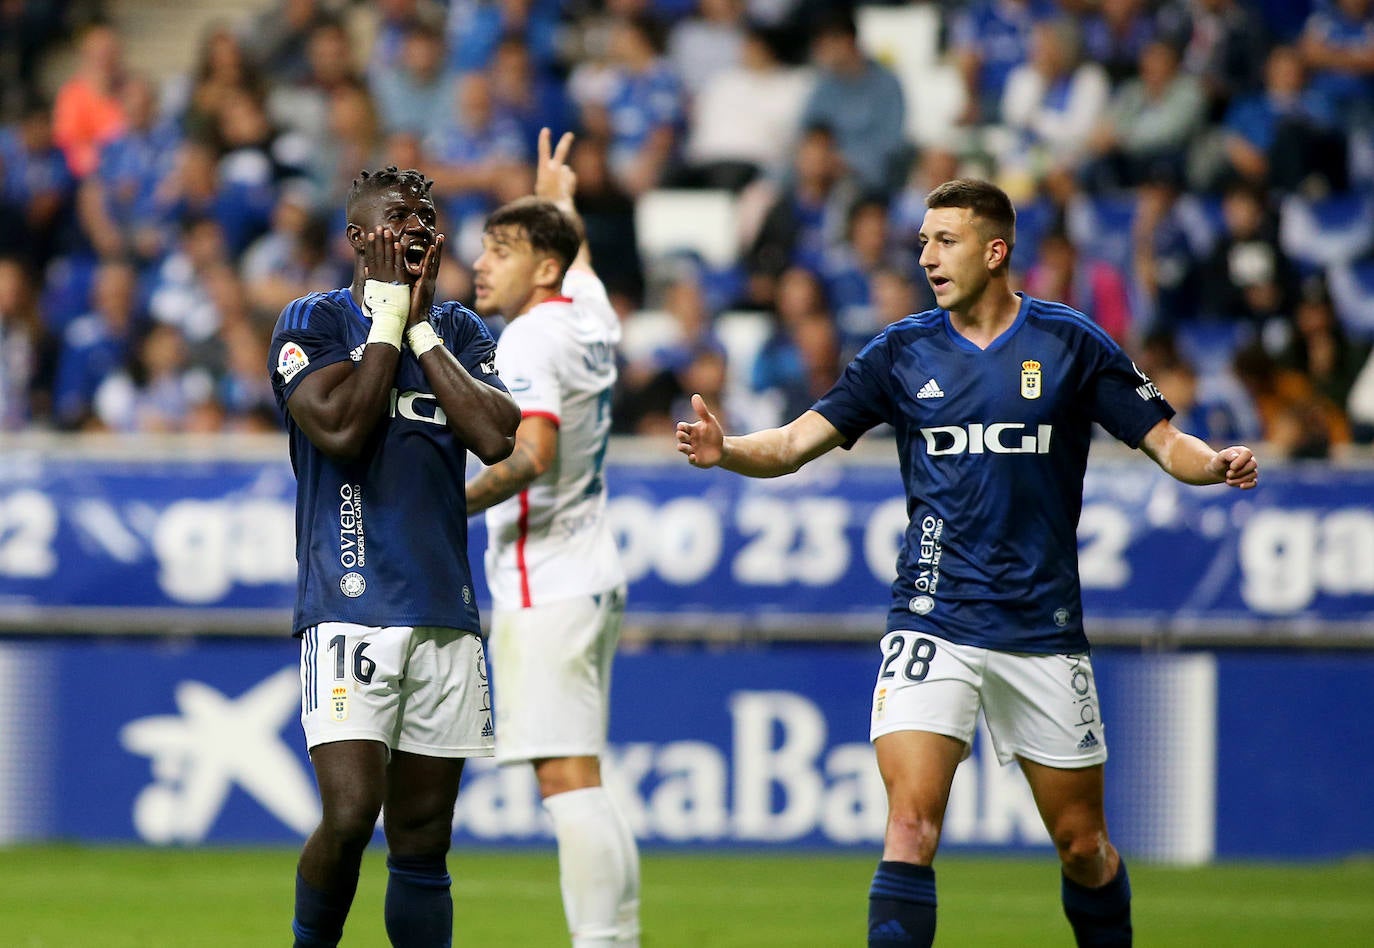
{"x":422,"y":292}
{"x":702,"y":440}
{"x":382,"y":257}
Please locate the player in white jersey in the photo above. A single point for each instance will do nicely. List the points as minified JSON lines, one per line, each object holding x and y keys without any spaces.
{"x":558,"y":591}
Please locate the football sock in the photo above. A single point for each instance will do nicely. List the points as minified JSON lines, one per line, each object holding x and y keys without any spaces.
{"x":593,"y":867}
{"x":901,"y":905}
{"x":320,"y":915}
{"x":627,"y":915}
{"x":419,"y":906}
{"x":1101,"y":917}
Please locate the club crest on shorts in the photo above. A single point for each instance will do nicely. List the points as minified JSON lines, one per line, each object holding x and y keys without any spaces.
{"x":921,"y":604}
{"x":353,"y":585}
{"x":338,"y":703}
{"x":1030,"y":379}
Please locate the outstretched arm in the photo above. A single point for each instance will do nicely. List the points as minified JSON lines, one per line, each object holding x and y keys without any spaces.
{"x":771,"y":452}
{"x":1191,"y":461}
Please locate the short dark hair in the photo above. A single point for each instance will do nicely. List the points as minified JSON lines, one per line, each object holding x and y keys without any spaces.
{"x":992,"y":209}
{"x":371,"y":183}
{"x":547,"y":228}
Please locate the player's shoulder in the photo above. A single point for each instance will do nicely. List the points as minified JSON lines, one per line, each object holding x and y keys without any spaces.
{"x":313,"y":310}
{"x":908,"y":329}
{"x":1064,"y":321}
{"x":455,"y":321}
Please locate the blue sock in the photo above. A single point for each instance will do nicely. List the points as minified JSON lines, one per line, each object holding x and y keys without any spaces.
{"x":419,"y":907}
{"x":320,"y":915}
{"x":1101,"y":917}
{"x":901,"y":905}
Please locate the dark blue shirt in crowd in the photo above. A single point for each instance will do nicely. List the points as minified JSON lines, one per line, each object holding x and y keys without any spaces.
{"x":381,"y":540}
{"x":993,"y":445}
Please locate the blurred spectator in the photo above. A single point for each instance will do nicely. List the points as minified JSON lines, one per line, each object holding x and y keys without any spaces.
{"x":933,"y":166}
{"x":1247,"y":277}
{"x":1115,"y":35}
{"x":477,"y":159}
{"x":156,"y":391}
{"x":292,"y":259}
{"x":608,"y":217}
{"x":530,"y":97}
{"x":117,"y":201}
{"x":801,"y":358}
{"x":1093,"y":287}
{"x":989,"y":39}
{"x":1169,"y":237}
{"x":476,"y":27}
{"x":411,"y":89}
{"x":860,"y":101}
{"x":27,"y":29}
{"x":707,"y":43}
{"x":278,"y":39}
{"x":1223,"y":44}
{"x":88,"y":113}
{"x":35,"y":188}
{"x":391,"y":24}
{"x":1320,"y":349}
{"x":300,"y":108}
{"x":746,"y":119}
{"x":639,"y":105}
{"x":27,"y":353}
{"x":654,"y":392}
{"x":1286,"y":135}
{"x":804,"y":218}
{"x":1149,"y":124}
{"x":847,"y":268}
{"x":1053,"y":100}
{"x":222,"y":68}
{"x":180,"y":294}
{"x":1295,"y":419}
{"x":96,"y":344}
{"x":354,"y":142}
{"x":243,"y":389}
{"x":1338,"y":45}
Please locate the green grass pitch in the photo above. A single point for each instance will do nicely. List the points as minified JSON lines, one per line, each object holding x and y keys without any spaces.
{"x":70,"y":897}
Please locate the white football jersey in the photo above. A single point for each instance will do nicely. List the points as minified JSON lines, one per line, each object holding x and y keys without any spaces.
{"x":551,"y":541}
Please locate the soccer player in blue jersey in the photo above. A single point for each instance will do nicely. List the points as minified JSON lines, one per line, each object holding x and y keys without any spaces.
{"x":384,"y":393}
{"x":992,"y":396}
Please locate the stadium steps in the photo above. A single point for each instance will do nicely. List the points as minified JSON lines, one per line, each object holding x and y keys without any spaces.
{"x":162,"y":37}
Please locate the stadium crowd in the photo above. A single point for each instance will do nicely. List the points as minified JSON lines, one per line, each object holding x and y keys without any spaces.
{"x":1197,"y":176}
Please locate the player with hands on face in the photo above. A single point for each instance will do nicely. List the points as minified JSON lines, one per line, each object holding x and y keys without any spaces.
{"x":558,"y":590}
{"x":384,"y":393}
{"x":992,"y":397}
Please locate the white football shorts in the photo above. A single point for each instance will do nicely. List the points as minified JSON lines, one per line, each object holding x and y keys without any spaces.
{"x":551,"y":671}
{"x":420,"y":690}
{"x":1041,"y":707}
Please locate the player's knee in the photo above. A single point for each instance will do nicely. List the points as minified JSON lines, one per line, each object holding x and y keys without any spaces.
{"x":351,"y":824}
{"x":416,"y":832}
{"x":912,"y":835}
{"x":1081,"y":851}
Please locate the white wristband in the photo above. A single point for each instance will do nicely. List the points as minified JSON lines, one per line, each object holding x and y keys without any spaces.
{"x":389,"y":306}
{"x":422,"y":338}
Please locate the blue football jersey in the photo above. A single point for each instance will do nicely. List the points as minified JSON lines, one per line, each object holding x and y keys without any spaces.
{"x":993,"y":446}
{"x":381,"y":540}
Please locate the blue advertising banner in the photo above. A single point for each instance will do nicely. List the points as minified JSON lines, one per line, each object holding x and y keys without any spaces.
{"x":198,"y":741}
{"x":207,"y":545}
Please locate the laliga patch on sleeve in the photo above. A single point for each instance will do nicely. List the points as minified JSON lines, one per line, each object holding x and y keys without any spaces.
{"x":290,"y":361}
